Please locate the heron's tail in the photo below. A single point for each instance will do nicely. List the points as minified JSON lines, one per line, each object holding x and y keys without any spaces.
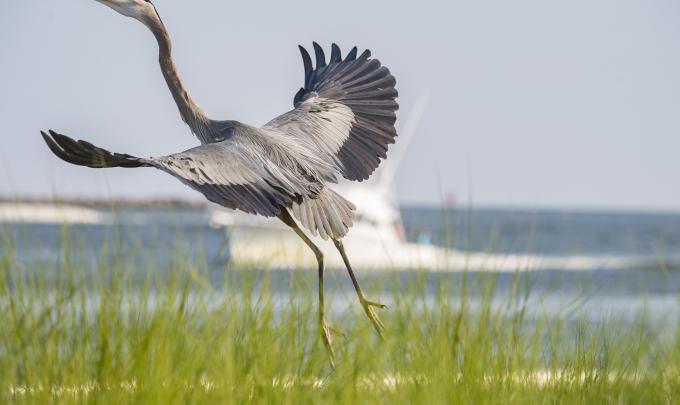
{"x":83,"y":153}
{"x":330,"y":214}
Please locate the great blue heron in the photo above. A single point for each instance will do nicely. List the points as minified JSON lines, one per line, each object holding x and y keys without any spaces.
{"x":342,"y":123}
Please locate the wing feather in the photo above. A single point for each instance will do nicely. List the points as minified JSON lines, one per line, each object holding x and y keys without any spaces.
{"x":307,"y":61}
{"x":336,"y":54}
{"x":320,"y":56}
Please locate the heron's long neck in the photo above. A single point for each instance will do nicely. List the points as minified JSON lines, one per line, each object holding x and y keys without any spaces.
{"x":191,"y":113}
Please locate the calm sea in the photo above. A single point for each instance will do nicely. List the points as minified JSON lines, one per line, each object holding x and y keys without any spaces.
{"x":651,"y":240}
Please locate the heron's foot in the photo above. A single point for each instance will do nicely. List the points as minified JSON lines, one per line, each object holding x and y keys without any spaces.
{"x":369,"y":308}
{"x":327,"y":332}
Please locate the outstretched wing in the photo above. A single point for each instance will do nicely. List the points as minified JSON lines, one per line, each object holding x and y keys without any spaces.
{"x":346,"y":108}
{"x":224,"y":172}
{"x":230,"y":174}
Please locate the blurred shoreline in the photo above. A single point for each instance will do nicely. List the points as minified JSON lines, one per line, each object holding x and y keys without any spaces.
{"x":198,"y":203}
{"x":105,"y":203}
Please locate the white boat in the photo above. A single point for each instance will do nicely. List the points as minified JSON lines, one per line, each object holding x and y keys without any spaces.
{"x":375,"y":241}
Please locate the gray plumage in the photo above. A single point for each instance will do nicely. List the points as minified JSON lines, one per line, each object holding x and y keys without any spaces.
{"x":342,"y":123}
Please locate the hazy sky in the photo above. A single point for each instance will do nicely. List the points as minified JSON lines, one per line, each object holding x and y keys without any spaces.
{"x":533,"y":103}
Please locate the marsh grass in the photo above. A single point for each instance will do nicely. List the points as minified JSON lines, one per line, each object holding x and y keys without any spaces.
{"x":101,"y":327}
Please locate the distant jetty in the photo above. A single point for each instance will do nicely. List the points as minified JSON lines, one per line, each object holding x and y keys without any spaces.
{"x":59,"y":210}
{"x":41,"y":213}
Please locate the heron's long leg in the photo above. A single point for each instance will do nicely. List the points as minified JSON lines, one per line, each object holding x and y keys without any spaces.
{"x":325,"y":328}
{"x":366,"y":304}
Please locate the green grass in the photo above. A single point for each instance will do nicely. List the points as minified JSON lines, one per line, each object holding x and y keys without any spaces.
{"x":108,"y":331}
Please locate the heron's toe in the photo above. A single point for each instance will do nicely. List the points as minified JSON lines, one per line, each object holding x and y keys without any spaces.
{"x":369,"y":308}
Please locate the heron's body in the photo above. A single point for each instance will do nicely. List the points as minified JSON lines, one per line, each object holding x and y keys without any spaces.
{"x":342,"y":123}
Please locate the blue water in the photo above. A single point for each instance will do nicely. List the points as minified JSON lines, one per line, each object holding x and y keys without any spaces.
{"x":552,"y":233}
{"x":650,"y":239}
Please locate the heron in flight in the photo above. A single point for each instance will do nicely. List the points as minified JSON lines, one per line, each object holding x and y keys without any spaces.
{"x":342,"y":123}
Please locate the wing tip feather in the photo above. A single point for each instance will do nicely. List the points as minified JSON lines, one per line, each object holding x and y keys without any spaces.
{"x":320,"y":55}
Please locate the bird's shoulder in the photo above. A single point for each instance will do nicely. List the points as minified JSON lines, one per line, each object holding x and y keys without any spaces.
{"x":237,"y":134}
